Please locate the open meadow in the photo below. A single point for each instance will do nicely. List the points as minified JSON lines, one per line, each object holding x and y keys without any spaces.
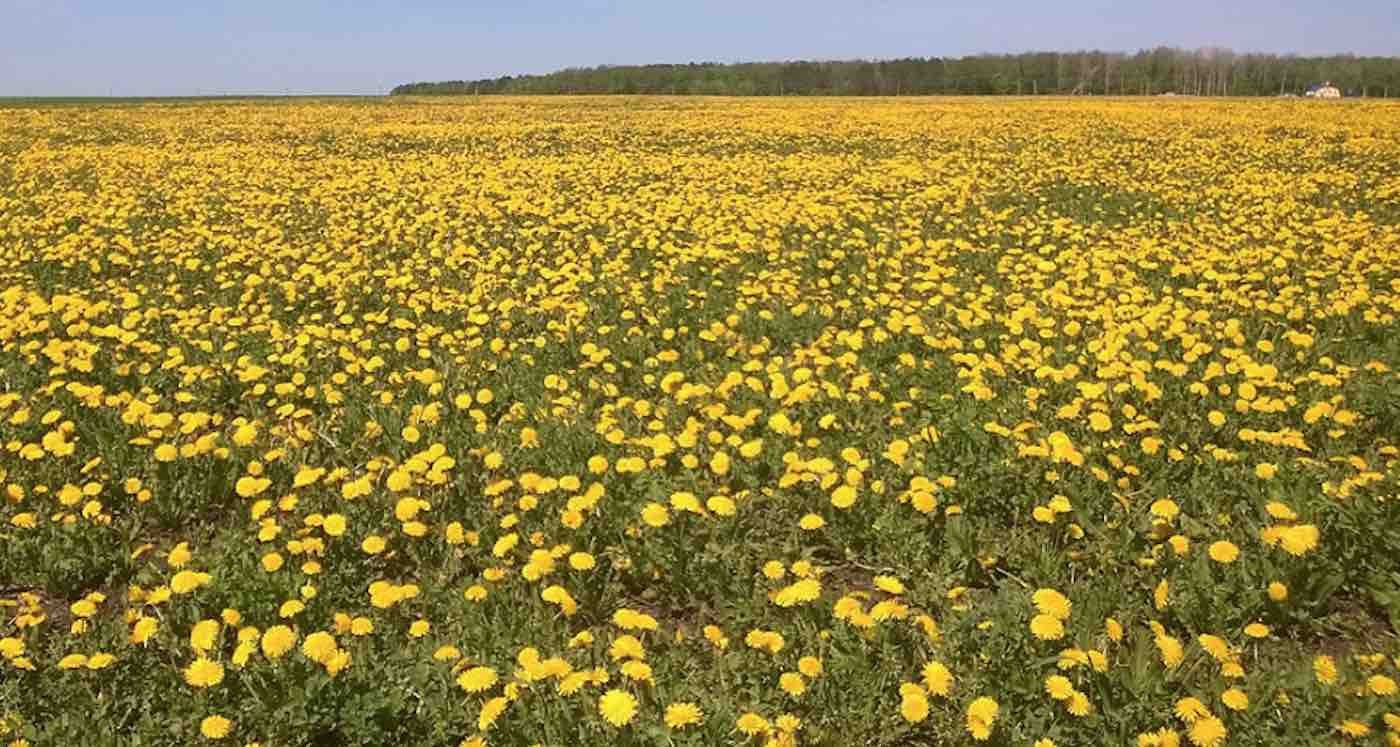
{"x":672,"y":421}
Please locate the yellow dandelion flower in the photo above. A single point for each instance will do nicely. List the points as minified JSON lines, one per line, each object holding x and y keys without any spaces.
{"x":1223,"y":551}
{"x":215,"y":727}
{"x":681,"y":715}
{"x":203,"y":672}
{"x":1053,"y":603}
{"x":1079,"y":705}
{"x":913,"y":706}
{"x":143,"y":630}
{"x":1059,"y":687}
{"x":844,"y":496}
{"x":1171,"y":651}
{"x":938,"y":678}
{"x":334,"y":525}
{"x":1325,"y":670}
{"x":1235,"y":699}
{"x":1189,"y":710}
{"x":721,"y":505}
{"x":490,"y":711}
{"x":811,"y":522}
{"x":1381,"y":685}
{"x":889,"y":584}
{"x":1164,"y":508}
{"x":1256,"y":630}
{"x":752,"y":724}
{"x":75,"y":661}
{"x":204,"y":634}
{"x":1208,"y":731}
{"x":655,"y":515}
{"x":1300,"y":539}
{"x":1353,"y":729}
{"x":319,"y":646}
{"x":185,"y":582}
{"x":477,"y":679}
{"x":618,"y":707}
{"x":1047,"y":627}
{"x":100,"y":661}
{"x":277,"y":641}
{"x":981,"y":715}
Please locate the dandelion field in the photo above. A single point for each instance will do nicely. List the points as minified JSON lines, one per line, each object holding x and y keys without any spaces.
{"x":677,"y":421}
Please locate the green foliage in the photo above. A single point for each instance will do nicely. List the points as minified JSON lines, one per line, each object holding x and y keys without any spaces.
{"x":1209,"y":72}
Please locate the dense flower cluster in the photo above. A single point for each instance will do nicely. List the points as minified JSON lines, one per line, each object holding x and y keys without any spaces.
{"x":570,"y":421}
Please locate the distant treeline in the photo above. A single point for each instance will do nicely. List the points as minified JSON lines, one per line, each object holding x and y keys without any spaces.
{"x":1202,"y":72}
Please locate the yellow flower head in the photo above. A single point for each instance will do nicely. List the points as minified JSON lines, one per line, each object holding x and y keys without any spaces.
{"x":476,"y":679}
{"x":981,"y":715}
{"x":215,"y":727}
{"x":618,"y":707}
{"x":277,"y":641}
{"x":681,"y":715}
{"x":202,"y":673}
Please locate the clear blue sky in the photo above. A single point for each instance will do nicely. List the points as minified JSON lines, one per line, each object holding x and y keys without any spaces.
{"x":139,"y":47}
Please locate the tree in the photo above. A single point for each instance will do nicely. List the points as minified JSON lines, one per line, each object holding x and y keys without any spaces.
{"x":1206,"y":72}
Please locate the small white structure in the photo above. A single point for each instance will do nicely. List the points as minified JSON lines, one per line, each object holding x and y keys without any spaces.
{"x":1324,"y":91}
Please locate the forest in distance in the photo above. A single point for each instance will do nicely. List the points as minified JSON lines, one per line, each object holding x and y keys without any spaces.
{"x":1201,"y":72}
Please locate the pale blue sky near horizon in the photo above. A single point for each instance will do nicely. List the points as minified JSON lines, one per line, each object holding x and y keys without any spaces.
{"x":145,"y":48}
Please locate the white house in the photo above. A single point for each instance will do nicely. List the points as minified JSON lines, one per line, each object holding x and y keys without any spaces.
{"x":1324,"y":91}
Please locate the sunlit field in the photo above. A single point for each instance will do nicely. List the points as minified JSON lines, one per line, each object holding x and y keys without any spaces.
{"x":511,"y":421}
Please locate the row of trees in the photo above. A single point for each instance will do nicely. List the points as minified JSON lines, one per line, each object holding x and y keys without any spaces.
{"x":1203,"y":72}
